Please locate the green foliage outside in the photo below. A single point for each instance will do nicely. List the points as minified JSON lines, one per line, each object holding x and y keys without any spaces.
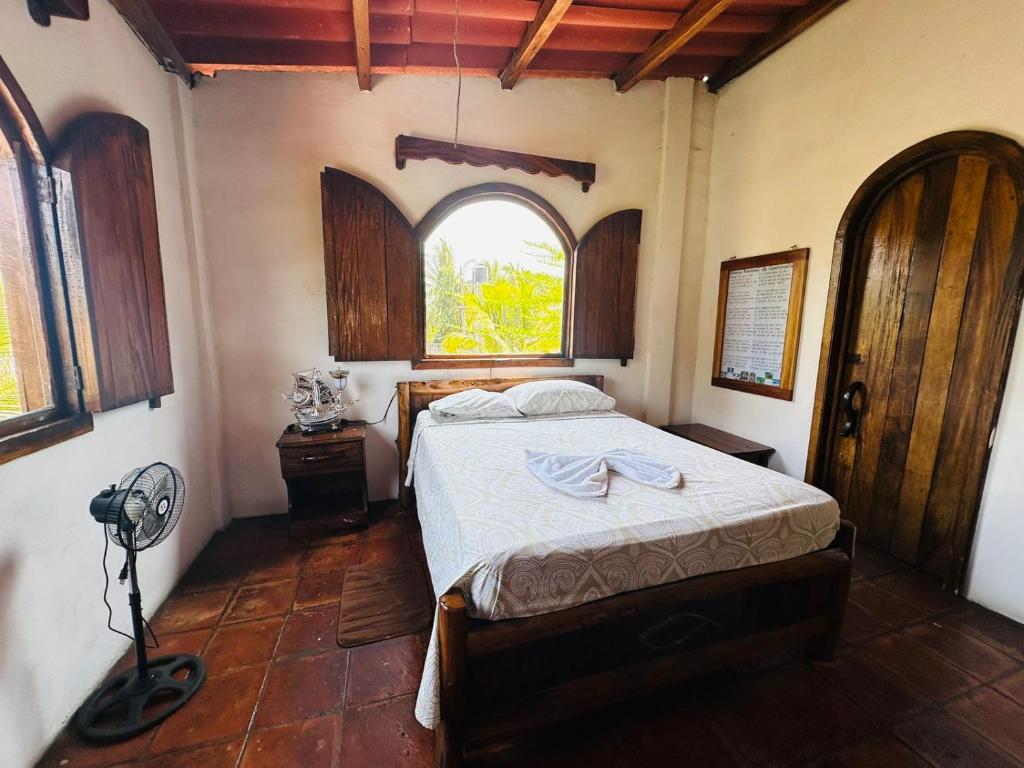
{"x":517,"y":310}
{"x":10,"y":401}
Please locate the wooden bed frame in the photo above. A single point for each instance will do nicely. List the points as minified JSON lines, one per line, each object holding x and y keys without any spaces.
{"x":499,"y":678}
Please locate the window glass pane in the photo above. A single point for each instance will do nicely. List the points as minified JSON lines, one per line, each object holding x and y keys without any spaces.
{"x":25,"y":383}
{"x":494,"y":277}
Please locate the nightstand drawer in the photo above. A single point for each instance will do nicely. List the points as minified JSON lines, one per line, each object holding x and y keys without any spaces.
{"x":320,"y":459}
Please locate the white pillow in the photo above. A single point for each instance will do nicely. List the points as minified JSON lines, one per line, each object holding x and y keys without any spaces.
{"x":537,"y":398}
{"x":474,"y":404}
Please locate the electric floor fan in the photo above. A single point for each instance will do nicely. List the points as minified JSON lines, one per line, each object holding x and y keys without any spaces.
{"x":139,"y":513}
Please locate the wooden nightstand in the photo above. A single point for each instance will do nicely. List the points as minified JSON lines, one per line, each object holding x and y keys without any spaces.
{"x":725,"y":442}
{"x":326,"y":477}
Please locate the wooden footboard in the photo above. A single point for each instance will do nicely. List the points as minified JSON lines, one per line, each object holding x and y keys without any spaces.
{"x":551,"y":667}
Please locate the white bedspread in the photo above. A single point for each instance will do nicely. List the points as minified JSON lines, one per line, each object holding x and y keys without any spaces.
{"x":519,"y":548}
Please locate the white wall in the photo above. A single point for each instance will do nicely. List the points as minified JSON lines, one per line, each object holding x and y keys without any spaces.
{"x":263,"y":140}
{"x":793,"y":140}
{"x":54,"y":645}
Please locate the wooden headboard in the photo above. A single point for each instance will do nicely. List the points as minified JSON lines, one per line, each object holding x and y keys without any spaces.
{"x":415,"y":396}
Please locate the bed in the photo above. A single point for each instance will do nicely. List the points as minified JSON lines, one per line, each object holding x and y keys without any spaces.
{"x":549,"y":605}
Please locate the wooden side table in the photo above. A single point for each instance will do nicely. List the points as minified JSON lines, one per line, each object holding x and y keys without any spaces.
{"x":725,"y":442}
{"x":326,"y":477}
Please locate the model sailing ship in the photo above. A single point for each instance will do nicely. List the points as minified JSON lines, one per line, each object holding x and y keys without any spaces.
{"x":316,"y":406}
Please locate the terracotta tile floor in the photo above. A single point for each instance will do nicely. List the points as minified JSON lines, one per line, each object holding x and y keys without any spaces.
{"x":923,"y":679}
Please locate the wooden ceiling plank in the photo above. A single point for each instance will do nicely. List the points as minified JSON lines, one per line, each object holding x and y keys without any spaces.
{"x":147,"y":28}
{"x":507,"y":10}
{"x":735,"y":23}
{"x":277,"y":23}
{"x":794,"y":24}
{"x":433,"y":12}
{"x":435,"y":29}
{"x":702,"y":13}
{"x":209,"y":54}
{"x":547,"y":18}
{"x":380,"y":7}
{"x":567,"y":38}
{"x":361,"y":23}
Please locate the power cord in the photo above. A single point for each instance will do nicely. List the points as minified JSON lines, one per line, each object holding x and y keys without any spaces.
{"x":106,"y":588}
{"x":386,"y":411}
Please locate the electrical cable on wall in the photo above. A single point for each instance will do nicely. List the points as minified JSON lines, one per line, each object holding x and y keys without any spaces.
{"x":386,"y":411}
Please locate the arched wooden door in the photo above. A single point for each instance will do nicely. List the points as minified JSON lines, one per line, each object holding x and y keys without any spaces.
{"x":923,"y":309}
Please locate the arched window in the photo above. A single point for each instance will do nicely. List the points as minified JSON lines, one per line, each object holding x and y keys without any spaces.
{"x":496,"y":268}
{"x":491,"y":276}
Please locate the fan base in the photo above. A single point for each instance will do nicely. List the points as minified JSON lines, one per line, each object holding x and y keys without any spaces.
{"x":126,"y":705}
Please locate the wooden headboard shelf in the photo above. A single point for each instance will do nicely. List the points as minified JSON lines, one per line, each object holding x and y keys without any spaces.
{"x":416,"y":396}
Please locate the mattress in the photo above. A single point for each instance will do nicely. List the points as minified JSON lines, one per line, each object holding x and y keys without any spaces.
{"x":518,"y":548}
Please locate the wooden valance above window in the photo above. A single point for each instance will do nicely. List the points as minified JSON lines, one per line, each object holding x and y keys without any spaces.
{"x":375,"y":289}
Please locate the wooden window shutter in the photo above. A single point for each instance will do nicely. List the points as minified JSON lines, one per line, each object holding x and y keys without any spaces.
{"x":371,"y":266}
{"x":111,"y":251}
{"x":604,"y":307}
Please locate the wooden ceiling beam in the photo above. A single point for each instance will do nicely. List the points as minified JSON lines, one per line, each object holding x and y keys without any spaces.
{"x":794,"y":24}
{"x":209,"y":55}
{"x":361,"y":22}
{"x":543,"y":24}
{"x":702,"y":13}
{"x":147,"y":28}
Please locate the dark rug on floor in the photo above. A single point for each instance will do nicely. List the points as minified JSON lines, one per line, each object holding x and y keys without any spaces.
{"x":383,"y":600}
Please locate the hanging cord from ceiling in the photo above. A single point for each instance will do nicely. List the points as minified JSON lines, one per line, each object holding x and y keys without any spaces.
{"x":458,"y":74}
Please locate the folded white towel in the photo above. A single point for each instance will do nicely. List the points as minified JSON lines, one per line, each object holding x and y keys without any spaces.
{"x":587,"y":476}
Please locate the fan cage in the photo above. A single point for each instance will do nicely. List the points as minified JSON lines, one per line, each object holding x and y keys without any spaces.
{"x":169,"y":503}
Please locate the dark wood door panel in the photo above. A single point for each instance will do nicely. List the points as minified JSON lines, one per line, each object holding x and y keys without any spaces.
{"x":982,"y":355}
{"x":940,"y":347}
{"x":901,"y":399}
{"x":878,"y":331}
{"x":933,"y":288}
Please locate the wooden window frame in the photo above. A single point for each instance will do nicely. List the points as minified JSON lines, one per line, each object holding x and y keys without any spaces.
{"x":534,"y":203}
{"x":65,"y":418}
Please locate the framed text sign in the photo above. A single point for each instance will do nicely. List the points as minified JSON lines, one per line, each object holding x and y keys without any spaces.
{"x":760,"y":301}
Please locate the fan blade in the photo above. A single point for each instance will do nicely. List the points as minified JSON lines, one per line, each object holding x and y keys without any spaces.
{"x":161,"y":487}
{"x":152,"y":524}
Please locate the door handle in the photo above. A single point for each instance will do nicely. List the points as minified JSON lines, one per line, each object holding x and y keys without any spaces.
{"x":850,"y":411}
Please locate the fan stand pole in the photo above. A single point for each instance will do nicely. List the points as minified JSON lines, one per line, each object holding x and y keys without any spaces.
{"x":138,"y":628}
